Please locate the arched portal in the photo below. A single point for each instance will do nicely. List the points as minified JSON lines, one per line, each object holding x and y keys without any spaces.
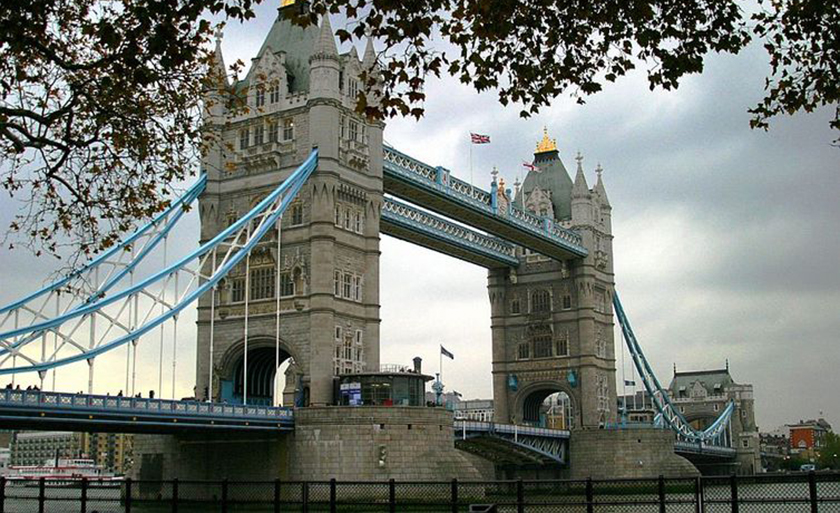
{"x":548,"y":407}
{"x":262,"y":373}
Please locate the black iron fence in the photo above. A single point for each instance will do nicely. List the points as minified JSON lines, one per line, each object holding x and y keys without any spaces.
{"x":813,"y":492}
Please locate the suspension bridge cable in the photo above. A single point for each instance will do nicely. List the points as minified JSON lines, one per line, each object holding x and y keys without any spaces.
{"x":277,"y":314}
{"x":247,"y":296}
{"x":212,"y":322}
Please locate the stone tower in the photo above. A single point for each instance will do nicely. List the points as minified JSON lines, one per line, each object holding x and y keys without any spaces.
{"x":299,"y":93}
{"x":552,"y":321}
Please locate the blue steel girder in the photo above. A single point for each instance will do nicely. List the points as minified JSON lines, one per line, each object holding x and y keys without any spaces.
{"x":704,"y":450}
{"x":422,"y":228}
{"x":40,"y":410}
{"x":435,"y":189}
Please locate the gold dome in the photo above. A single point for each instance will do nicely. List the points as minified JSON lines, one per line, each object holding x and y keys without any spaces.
{"x":546,"y":144}
{"x":286,"y":3}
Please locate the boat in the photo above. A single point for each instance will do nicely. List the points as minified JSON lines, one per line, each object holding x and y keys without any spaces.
{"x":61,"y":470}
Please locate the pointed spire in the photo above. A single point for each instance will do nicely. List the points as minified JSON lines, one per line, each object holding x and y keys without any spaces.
{"x":599,"y":187}
{"x":218,"y":65}
{"x":325,"y":45}
{"x":580,"y":189}
{"x":369,"y":59}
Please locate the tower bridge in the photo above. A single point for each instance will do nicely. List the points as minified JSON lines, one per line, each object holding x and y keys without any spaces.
{"x":293,"y":198}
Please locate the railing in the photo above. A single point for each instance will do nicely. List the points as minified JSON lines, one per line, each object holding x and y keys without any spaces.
{"x":767,"y":492}
{"x":105,"y":403}
{"x":509,"y":429}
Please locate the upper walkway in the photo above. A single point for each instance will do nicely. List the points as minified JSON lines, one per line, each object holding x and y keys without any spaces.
{"x":26,"y":409}
{"x":434,"y":188}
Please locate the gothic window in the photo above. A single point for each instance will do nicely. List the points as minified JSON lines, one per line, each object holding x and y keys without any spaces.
{"x":357,"y":288}
{"x":287,"y":286}
{"x":342,"y":124}
{"x":288,"y":129}
{"x":354,"y":130}
{"x":244,"y":138}
{"x":341,"y":80}
{"x":524,"y":351}
{"x":716,"y":407}
{"x":540,"y":301}
{"x":262,"y":282}
{"x":514,"y":307}
{"x":337,"y":215}
{"x":359,"y":337}
{"x":348,"y":284}
{"x":347,"y":219}
{"x":272,"y":131}
{"x":337,"y":283}
{"x":297,"y":214}
{"x":274,"y":92}
{"x":260,"y":96}
{"x":338,"y":333}
{"x":237,"y":290}
{"x":567,"y":302}
{"x":259,"y":134}
{"x":542,"y":338}
{"x":563,"y":344}
{"x":353,"y":87}
{"x":357,"y":222}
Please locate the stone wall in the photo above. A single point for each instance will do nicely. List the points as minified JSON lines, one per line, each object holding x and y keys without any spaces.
{"x":376,"y":443}
{"x":630,"y":453}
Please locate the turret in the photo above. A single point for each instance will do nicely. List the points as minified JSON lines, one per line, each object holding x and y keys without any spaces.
{"x":324,"y":64}
{"x":581,"y":198}
{"x":215,"y":109}
{"x":604,"y":202}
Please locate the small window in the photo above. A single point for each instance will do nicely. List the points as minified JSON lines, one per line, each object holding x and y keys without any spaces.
{"x":357,"y":287}
{"x":259,"y":134}
{"x":288,"y":129}
{"x":682,"y":409}
{"x":272,"y":132}
{"x":337,"y":215}
{"x":260,"y":96}
{"x":358,"y":336}
{"x":342,"y":128}
{"x":348,"y":284}
{"x":237,"y":290}
{"x":353,"y":86}
{"x":244,"y":138}
{"x":274,"y":92}
{"x":514,"y":307}
{"x":297,"y":214}
{"x":567,"y":302}
{"x":716,"y":407}
{"x":357,"y":222}
{"x":354,"y":130}
{"x":524,"y":351}
{"x":287,"y":286}
{"x":337,"y":283}
{"x":347,"y":219}
{"x":745,"y":443}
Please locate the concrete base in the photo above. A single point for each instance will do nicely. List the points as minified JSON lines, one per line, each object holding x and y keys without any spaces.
{"x":630,"y":453}
{"x":366,"y":443}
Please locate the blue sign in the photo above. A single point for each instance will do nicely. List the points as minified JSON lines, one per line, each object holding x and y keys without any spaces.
{"x":513,"y":382}
{"x":572,"y":379}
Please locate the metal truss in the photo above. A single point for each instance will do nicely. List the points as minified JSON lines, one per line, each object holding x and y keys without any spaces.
{"x":717,"y":434}
{"x":106,"y":308}
{"x":549,"y":443}
{"x":439,"y":181}
{"x":411,"y":223}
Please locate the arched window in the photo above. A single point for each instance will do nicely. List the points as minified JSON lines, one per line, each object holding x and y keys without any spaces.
{"x":540,"y":301}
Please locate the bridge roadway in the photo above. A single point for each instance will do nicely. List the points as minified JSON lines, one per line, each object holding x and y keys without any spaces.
{"x":435,"y":189}
{"x":40,"y":410}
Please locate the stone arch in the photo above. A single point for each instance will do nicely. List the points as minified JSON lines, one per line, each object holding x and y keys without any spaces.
{"x":529,"y":399}
{"x":261,"y":370}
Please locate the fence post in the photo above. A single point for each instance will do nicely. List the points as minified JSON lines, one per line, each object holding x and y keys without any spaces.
{"x":520,"y":497}
{"x":276,"y":496}
{"x":175,"y":495}
{"x":2,"y":494}
{"x":392,"y":496}
{"x":697,"y":505}
{"x":127,"y":495}
{"x":305,"y":497}
{"x":333,"y":507}
{"x":454,"y":495}
{"x":83,"y":498}
{"x":590,"y":498}
{"x":661,"y":493}
{"x":733,"y":482}
{"x":41,"y":494}
{"x":812,"y":489}
{"x":224,"y":495}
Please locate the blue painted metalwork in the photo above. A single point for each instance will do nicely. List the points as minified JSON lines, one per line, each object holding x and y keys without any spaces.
{"x":398,"y":216}
{"x":681,"y":447}
{"x":266,"y":213}
{"x":438,"y":182}
{"x":715,"y":434}
{"x":132,"y":414}
{"x":550,"y":443}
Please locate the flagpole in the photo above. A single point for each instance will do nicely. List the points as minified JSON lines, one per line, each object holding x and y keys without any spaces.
{"x":440,"y":355}
{"x":472,"y":192}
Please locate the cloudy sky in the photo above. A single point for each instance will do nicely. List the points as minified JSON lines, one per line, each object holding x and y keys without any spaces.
{"x":726,"y":239}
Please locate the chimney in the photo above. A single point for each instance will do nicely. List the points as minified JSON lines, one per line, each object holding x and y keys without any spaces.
{"x":417,"y":364}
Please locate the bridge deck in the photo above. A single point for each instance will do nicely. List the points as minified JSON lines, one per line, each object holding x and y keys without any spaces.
{"x":40,"y":410}
{"x":435,"y":189}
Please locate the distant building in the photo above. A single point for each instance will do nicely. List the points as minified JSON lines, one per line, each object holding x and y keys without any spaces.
{"x":636,"y":408}
{"x":701,"y":396}
{"x":5,"y":460}
{"x":474,"y":409}
{"x":113,"y":451}
{"x":775,"y":448}
{"x":808,"y":435}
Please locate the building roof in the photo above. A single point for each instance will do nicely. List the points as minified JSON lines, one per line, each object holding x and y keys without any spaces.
{"x":707,"y":378}
{"x":551,"y":176}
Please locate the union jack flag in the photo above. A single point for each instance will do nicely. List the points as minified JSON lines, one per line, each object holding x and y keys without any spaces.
{"x":479,"y":139}
{"x":529,"y":166}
